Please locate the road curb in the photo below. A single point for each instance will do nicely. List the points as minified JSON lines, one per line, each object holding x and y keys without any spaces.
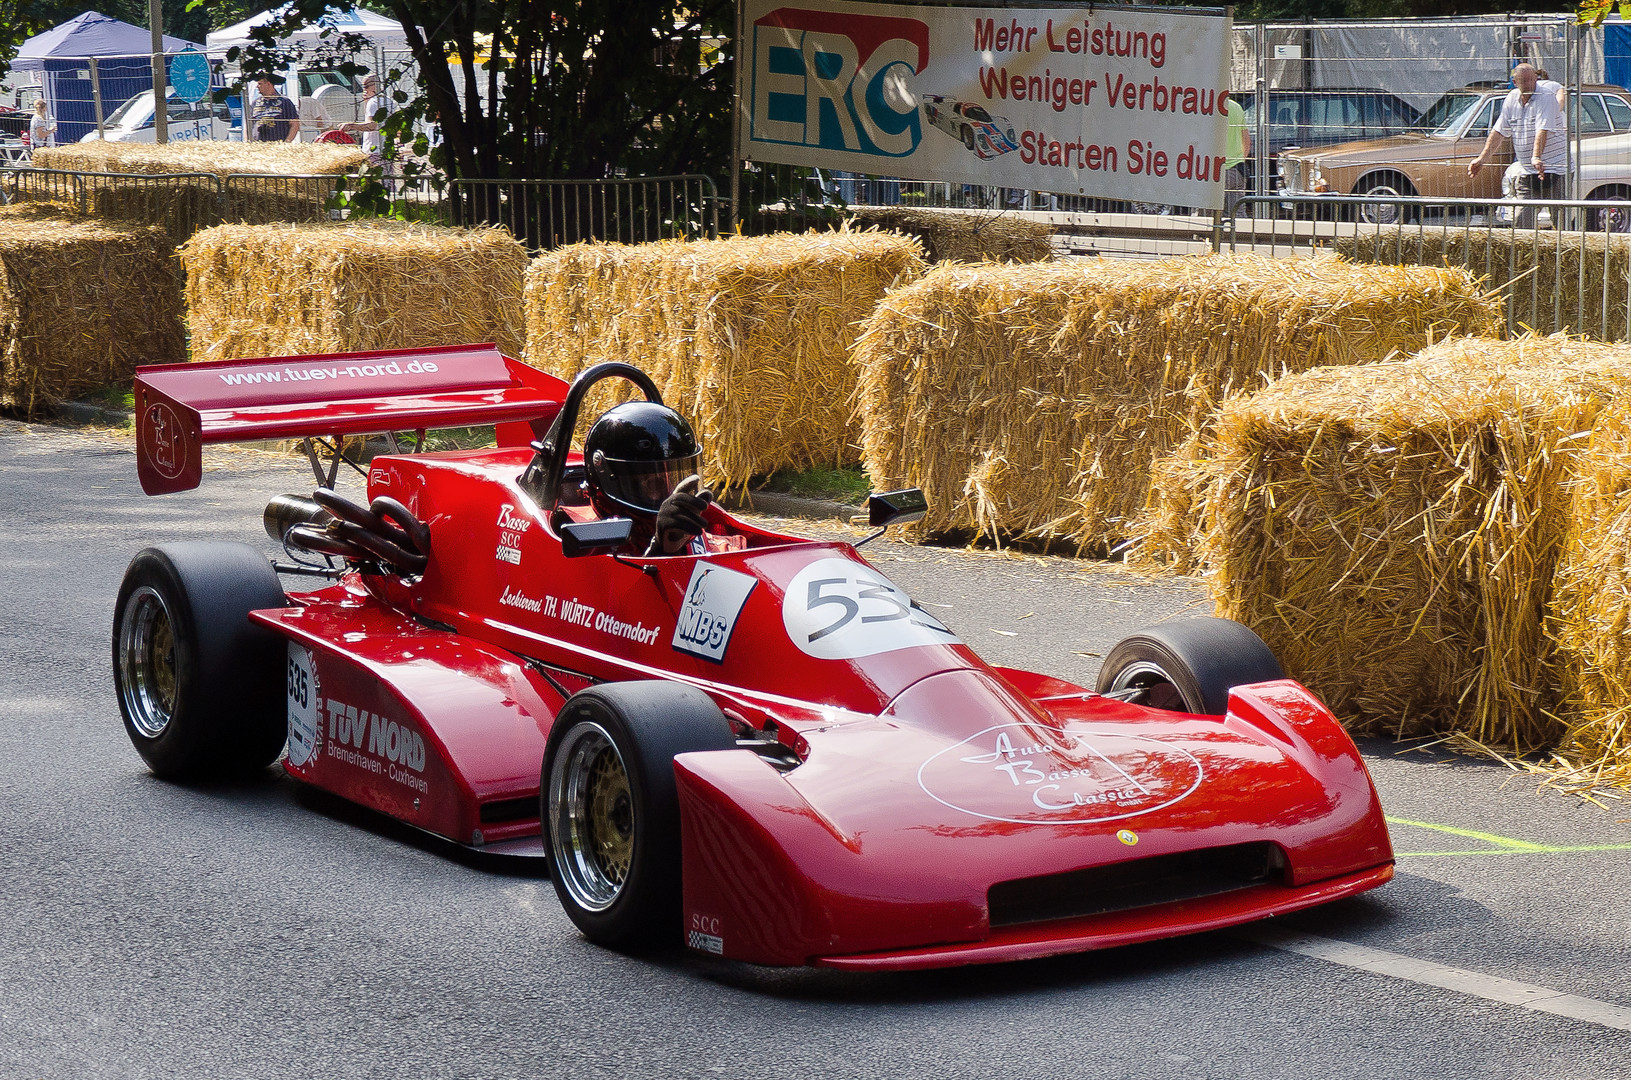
{"x":781,"y":505}
{"x":85,"y":412}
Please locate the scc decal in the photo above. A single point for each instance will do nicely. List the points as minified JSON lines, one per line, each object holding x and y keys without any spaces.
{"x":1005,"y":773}
{"x":838,"y":81}
{"x":704,"y":934}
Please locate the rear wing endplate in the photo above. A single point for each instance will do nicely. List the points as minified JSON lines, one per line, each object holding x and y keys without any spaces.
{"x":182,"y":407}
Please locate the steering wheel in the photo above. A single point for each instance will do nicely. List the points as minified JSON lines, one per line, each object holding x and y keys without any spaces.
{"x":548,"y":466}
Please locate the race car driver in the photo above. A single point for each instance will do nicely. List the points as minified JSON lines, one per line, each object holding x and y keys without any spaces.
{"x":640,"y":461}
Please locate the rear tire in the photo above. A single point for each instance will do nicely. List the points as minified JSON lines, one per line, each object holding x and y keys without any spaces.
{"x":1188,"y":665}
{"x":610,"y":805}
{"x":200,"y":687}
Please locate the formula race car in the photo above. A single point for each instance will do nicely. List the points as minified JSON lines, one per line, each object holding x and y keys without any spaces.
{"x":988,"y":136}
{"x":765,"y":750}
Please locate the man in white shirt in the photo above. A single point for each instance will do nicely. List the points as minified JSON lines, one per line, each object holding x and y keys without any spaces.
{"x":1534,"y":123}
{"x":374,"y":102}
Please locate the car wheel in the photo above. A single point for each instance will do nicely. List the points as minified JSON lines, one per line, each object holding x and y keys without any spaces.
{"x":968,"y":136}
{"x":1615,"y":219}
{"x":610,"y":805}
{"x":1389,"y":185}
{"x":1187,"y":665}
{"x":200,"y":686}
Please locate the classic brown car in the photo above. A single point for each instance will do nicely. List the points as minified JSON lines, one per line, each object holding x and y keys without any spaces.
{"x":1431,"y":158}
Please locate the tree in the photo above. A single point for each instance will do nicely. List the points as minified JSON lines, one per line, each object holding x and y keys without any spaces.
{"x":583,"y":89}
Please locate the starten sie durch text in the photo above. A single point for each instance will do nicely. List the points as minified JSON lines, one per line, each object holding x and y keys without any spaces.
{"x":1140,"y":157}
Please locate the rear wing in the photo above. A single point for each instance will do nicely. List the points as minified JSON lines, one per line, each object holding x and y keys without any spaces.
{"x":182,"y":407}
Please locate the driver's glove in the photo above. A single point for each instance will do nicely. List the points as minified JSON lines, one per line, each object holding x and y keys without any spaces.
{"x":680,"y":516}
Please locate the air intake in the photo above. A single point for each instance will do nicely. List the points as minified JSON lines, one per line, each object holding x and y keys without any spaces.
{"x":1160,"y":879}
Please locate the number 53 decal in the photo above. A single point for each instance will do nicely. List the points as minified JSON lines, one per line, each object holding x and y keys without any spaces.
{"x":835,"y":609}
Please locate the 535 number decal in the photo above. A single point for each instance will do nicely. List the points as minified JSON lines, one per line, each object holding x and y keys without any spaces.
{"x":835,"y":609}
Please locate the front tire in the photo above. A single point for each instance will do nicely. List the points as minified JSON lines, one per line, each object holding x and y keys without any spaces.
{"x":200,"y":687}
{"x":610,"y":805}
{"x":1387,"y":184}
{"x":1615,"y":219}
{"x":968,"y":137}
{"x":1187,"y":665}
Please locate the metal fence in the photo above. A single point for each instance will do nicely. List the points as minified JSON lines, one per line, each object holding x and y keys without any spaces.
{"x":1558,"y":264}
{"x":544,"y":214}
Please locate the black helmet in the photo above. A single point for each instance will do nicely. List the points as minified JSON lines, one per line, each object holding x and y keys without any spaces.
{"x":636,"y":454}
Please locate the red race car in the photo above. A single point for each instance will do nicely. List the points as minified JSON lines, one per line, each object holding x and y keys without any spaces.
{"x":761,"y":747}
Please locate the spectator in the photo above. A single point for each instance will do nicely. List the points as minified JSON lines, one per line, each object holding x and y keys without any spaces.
{"x":274,"y":118}
{"x":42,"y":129}
{"x":375,"y":108}
{"x":1237,"y":148}
{"x":1534,"y":123}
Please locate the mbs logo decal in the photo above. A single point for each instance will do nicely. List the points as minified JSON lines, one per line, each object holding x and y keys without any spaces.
{"x":838,"y":82}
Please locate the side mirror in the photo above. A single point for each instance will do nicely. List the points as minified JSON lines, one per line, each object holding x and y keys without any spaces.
{"x":895,"y":507}
{"x":582,"y":538}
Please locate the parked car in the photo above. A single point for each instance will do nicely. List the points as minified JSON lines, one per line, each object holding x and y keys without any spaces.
{"x":1431,"y":158}
{"x":133,"y":121}
{"x":1305,"y":118}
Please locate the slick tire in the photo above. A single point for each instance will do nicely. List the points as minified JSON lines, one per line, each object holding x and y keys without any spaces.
{"x":610,"y":806}
{"x":199,"y":685}
{"x":1188,"y":665}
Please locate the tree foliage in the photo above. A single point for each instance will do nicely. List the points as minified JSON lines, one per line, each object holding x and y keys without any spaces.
{"x":583,"y":89}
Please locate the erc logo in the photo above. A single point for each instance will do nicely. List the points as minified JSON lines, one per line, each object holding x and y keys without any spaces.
{"x":838,"y":81}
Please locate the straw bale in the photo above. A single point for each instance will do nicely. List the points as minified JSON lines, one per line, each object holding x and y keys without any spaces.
{"x":1555,"y":280}
{"x":1393,"y":530}
{"x":82,"y":304}
{"x":203,"y":156}
{"x":285,"y":290}
{"x":747,"y":337}
{"x":966,"y":237}
{"x":1591,"y":612}
{"x":1031,"y":401}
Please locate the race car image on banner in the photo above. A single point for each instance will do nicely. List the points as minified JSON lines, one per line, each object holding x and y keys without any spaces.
{"x":750,"y":743}
{"x":1109,"y":101}
{"x":988,"y":136}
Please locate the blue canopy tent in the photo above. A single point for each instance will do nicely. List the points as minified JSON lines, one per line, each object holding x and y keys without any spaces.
{"x":62,"y":58}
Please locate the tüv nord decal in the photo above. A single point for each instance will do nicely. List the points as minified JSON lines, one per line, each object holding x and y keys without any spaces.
{"x":838,"y":81}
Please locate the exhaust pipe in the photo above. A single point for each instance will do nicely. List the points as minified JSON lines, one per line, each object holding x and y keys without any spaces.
{"x":284,"y":512}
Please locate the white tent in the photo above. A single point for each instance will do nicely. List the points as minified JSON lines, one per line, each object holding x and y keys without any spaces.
{"x":382,"y":31}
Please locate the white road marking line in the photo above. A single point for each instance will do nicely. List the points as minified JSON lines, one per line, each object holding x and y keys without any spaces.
{"x":1488,"y":987}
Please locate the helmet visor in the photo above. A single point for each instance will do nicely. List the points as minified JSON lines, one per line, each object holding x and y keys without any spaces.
{"x":643,"y":485}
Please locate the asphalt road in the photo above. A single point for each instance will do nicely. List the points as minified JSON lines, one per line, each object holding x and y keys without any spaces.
{"x":151,"y":930}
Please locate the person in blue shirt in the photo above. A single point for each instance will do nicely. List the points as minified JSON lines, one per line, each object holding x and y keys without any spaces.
{"x":274,"y":117}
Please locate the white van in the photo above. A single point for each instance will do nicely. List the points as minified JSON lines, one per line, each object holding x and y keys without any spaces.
{"x":133,"y":121}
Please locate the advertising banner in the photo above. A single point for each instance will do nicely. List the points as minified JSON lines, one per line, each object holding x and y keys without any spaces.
{"x":1109,"y":102}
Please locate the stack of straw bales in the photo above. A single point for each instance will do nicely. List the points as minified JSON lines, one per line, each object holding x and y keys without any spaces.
{"x":747,"y":337}
{"x":1591,"y":609}
{"x":1393,"y":531}
{"x":948,"y":236}
{"x":284,"y":290}
{"x":82,"y":305}
{"x":306,"y":178}
{"x":1557,"y":280}
{"x":1032,"y":400}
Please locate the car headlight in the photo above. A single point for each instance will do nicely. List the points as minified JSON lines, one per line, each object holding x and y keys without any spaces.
{"x":1316,"y":180}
